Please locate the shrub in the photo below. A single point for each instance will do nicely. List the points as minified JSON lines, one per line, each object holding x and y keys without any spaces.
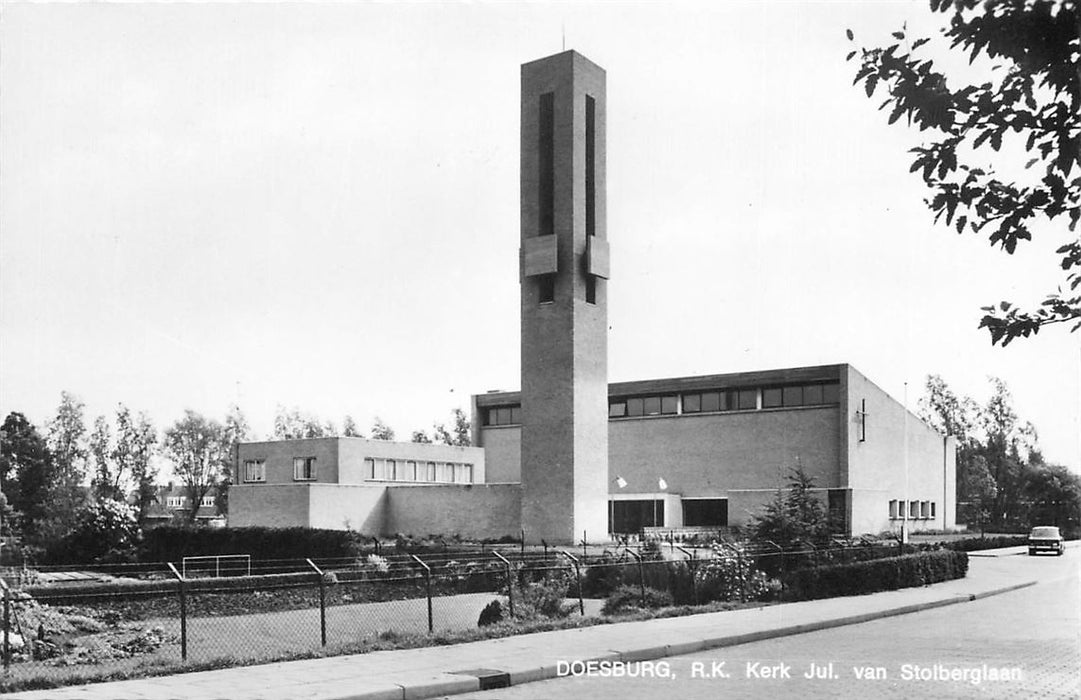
{"x":627,"y":598}
{"x":724,"y":577}
{"x":602,"y":577}
{"x":877,"y":575}
{"x":543,"y":598}
{"x":491,"y":614}
{"x":105,"y":531}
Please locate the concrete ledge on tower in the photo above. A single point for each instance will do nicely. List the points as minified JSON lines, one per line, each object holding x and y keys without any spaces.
{"x":539,"y":256}
{"x":597,"y":257}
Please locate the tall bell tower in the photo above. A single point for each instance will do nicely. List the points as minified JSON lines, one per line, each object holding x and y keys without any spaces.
{"x":564,"y":278}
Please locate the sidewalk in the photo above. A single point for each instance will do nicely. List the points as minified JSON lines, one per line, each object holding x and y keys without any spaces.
{"x":435,"y":671}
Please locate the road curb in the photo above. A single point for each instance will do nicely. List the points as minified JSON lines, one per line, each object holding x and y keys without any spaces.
{"x":548,"y":671}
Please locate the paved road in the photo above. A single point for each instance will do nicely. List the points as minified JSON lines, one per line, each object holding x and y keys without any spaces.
{"x":1033,"y":631}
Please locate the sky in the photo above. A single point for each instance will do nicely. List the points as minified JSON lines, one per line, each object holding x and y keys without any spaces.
{"x":316,"y":206}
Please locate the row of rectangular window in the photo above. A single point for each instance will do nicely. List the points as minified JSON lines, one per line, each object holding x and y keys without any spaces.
{"x":730,"y":400}
{"x":181,"y":502}
{"x":379,"y":469}
{"x":303,"y":470}
{"x":503,"y":415}
{"x":917,"y":510}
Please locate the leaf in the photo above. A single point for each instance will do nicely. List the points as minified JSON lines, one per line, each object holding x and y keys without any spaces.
{"x":850,"y":55}
{"x":900,"y":36}
{"x":1031,"y":163}
{"x":919,"y":42}
{"x":872,"y":81}
{"x":850,"y":35}
{"x":961,"y":221}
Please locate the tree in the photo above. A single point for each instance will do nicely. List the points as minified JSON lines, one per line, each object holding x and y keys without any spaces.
{"x":349,"y":427}
{"x":25,"y":471}
{"x":459,"y":432}
{"x":794,"y":515}
{"x":1034,"y":103}
{"x":291,"y":424}
{"x":236,"y":432}
{"x":106,"y":480}
{"x":960,"y":417}
{"x":66,"y":438}
{"x":1008,"y":445}
{"x":1054,"y":495}
{"x":381,"y":431}
{"x":200,"y":452}
{"x":420,"y":436}
{"x":136,"y":439}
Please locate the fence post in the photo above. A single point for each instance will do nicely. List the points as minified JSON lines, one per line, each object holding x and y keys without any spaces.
{"x":427,"y":589}
{"x":780,"y":553}
{"x":510,"y":581}
{"x":322,"y":602}
{"x":182,"y":586}
{"x":7,"y":625}
{"x":692,"y":562}
{"x":578,"y":580}
{"x":641,"y":574}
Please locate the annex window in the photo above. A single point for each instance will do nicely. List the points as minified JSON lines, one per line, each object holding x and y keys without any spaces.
{"x":463,"y":473}
{"x":406,"y":471}
{"x":254,"y":470}
{"x":772,"y":398}
{"x":913,"y":509}
{"x":705,"y":512}
{"x":692,"y":403}
{"x":175,"y":501}
{"x":925,"y":509}
{"x":792,"y":396}
{"x":617,"y":409}
{"x":635,"y":407}
{"x":546,"y":164}
{"x":591,"y":171}
{"x":429,"y":472}
{"x":207,"y":502}
{"x":503,"y":415}
{"x":303,"y":468}
{"x":932,"y":509}
{"x":714,"y":401}
{"x":893,"y":510}
{"x":812,"y":395}
{"x":632,"y":516}
{"x":546,"y":289}
{"x":831,"y":393}
{"x":444,"y":473}
{"x":747,"y":399}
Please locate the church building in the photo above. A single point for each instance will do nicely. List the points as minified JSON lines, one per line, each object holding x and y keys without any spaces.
{"x":572,"y":456}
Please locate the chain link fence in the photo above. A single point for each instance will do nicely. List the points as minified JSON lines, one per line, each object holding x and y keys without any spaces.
{"x":69,"y":625}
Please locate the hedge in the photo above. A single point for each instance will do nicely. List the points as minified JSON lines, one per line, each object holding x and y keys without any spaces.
{"x":173,"y":543}
{"x":972,"y":544}
{"x":876,"y":575}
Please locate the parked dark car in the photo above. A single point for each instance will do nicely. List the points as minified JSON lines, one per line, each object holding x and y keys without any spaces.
{"x":1045,"y":539}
